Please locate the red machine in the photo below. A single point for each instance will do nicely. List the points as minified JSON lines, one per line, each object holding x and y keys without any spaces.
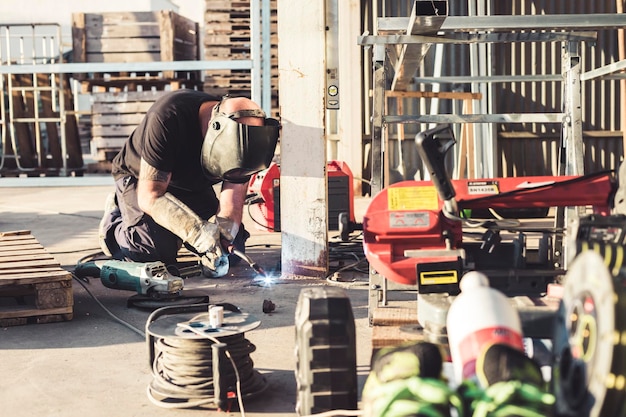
{"x":264,"y":196}
{"x":414,"y":229}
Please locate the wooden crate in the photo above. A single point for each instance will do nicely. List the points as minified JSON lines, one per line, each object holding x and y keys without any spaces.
{"x":33,"y":286}
{"x":136,"y":37}
{"x":114,"y":117}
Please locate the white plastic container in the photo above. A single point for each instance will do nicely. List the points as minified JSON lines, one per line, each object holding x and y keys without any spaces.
{"x":478,"y":317}
{"x":216,"y":316}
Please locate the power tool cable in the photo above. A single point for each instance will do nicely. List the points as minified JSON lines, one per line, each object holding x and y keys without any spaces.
{"x":106,"y":310}
{"x":183,"y":370}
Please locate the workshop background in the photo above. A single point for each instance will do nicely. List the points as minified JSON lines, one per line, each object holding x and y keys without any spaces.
{"x":59,"y":129}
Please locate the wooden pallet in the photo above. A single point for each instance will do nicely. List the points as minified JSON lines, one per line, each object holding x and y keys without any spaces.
{"x":114,"y":117}
{"x":134,"y":37}
{"x":33,"y":286}
{"x":394,"y":324}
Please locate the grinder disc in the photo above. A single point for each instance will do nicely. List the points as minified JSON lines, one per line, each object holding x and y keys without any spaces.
{"x":185,"y":297}
{"x":588,"y":374}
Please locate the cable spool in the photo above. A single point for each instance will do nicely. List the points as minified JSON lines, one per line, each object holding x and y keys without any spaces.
{"x":589,"y":344}
{"x":196,"y":363}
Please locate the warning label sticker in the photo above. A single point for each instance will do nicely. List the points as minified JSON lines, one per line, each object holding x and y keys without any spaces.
{"x":482,"y":187}
{"x":412,"y":198}
{"x":413,"y":219}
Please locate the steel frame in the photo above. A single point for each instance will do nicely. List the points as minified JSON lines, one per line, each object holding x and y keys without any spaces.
{"x":572,"y":30}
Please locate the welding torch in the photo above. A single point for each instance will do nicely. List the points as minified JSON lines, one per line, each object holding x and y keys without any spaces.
{"x":250,"y":262}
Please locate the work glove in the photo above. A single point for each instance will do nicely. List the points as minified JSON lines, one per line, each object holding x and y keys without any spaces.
{"x":228,"y":228}
{"x":214,"y":266}
{"x":205,"y":239}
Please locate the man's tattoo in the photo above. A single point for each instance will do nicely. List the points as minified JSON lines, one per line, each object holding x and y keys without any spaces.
{"x":148,"y":172}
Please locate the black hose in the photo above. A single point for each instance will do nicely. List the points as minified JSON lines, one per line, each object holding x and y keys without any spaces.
{"x":183,"y":371}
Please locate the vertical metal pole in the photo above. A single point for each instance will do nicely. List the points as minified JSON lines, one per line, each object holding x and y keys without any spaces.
{"x":255,"y":50}
{"x":3,"y":116}
{"x":333,"y":90}
{"x":572,"y":125}
{"x":266,"y":45}
{"x":571,"y":160}
{"x":35,"y":109}
{"x":62,"y":114}
{"x":378,"y":106}
{"x":377,"y":282}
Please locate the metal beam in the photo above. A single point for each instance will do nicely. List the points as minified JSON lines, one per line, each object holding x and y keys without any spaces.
{"x":470,"y":38}
{"x":103,"y":67}
{"x":478,"y":118}
{"x":422,"y":20}
{"x":498,"y":23}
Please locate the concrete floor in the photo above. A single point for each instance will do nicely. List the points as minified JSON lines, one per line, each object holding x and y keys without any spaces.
{"x":94,"y":365}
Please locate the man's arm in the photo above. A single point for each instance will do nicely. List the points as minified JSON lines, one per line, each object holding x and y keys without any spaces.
{"x":171,"y":213}
{"x":230,"y":213}
{"x":152,"y":184}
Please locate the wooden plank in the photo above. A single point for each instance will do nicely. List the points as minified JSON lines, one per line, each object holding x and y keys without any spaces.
{"x":120,"y":119}
{"x":167,"y":35}
{"x":128,"y":96}
{"x":29,"y":264}
{"x":23,"y":234}
{"x":185,"y":31}
{"x":123,"y":31}
{"x":108,"y":143}
{"x":20,"y":311}
{"x":7,"y":259}
{"x":124,"y":57}
{"x":386,"y":336}
{"x":21,"y":246}
{"x":131,"y":107}
{"x":10,"y":251}
{"x":123,"y":45}
{"x":28,"y":273}
{"x":395,"y":315}
{"x":119,"y":18}
{"x":79,"y":38}
{"x":112,"y":130}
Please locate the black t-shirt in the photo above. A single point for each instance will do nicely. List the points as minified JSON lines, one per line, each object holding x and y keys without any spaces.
{"x":170,"y":139}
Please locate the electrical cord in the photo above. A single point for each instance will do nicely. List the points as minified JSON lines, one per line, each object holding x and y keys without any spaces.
{"x":183,"y":370}
{"x":106,"y":310}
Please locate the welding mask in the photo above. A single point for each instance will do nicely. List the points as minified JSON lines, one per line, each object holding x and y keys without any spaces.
{"x":234,"y":151}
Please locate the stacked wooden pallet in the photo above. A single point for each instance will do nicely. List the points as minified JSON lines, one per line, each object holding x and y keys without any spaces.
{"x":130,"y":37}
{"x":227,"y":35}
{"x":33,"y":286}
{"x":114,"y":117}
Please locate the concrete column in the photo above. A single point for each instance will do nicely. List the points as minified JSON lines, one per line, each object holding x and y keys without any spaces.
{"x":301,"y":86}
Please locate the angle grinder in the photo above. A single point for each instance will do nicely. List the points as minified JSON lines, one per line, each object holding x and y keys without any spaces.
{"x":155,"y":286}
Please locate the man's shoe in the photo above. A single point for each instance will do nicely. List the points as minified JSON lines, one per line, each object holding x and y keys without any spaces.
{"x":110,"y":205}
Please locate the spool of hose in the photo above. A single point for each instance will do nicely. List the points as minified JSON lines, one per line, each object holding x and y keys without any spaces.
{"x":196,"y":364}
{"x":589,"y":343}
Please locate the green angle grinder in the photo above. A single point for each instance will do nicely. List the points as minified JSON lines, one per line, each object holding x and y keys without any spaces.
{"x":155,"y":286}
